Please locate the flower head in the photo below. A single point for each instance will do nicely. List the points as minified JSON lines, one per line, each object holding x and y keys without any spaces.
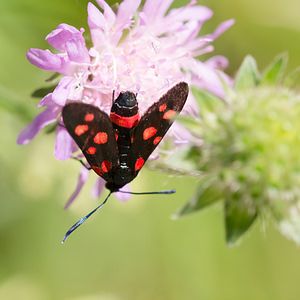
{"x":146,"y":52}
{"x":249,"y":158}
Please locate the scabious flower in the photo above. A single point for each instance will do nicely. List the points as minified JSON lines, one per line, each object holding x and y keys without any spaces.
{"x":146,"y":51}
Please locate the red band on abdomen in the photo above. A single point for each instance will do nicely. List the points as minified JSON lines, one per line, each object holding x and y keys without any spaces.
{"x":127,"y":122}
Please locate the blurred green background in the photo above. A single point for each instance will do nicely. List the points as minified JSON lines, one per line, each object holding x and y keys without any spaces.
{"x":128,"y":250}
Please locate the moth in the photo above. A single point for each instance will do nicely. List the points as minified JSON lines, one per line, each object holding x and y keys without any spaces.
{"x":117,"y":146}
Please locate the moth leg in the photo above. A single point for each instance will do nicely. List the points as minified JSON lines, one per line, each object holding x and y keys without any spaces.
{"x":86,"y":166}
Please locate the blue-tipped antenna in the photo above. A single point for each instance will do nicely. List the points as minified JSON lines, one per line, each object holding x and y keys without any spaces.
{"x":76,"y":225}
{"x":149,"y":193}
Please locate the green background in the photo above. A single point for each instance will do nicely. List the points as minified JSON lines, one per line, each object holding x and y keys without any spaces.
{"x":128,"y":250}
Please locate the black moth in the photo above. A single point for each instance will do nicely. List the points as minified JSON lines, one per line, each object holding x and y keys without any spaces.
{"x":118,"y":146}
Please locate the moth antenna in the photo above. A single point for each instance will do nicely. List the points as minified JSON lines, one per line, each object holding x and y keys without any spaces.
{"x":76,"y":225}
{"x":149,"y":193}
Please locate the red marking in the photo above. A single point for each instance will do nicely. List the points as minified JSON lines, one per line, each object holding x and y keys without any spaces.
{"x":169,"y":114}
{"x":157,"y":140}
{"x":163,"y":107}
{"x":81,"y":129}
{"x":116,"y":136}
{"x":149,"y":133}
{"x":89,"y":117}
{"x":100,"y":138}
{"x":97,"y":170}
{"x":131,"y":139}
{"x":91,"y":150}
{"x":127,"y":122}
{"x":139,"y":163}
{"x":106,"y":166}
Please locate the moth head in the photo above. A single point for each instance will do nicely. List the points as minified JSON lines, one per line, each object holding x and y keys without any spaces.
{"x":126,"y":100}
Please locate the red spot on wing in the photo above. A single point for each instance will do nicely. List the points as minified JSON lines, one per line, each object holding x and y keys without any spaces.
{"x":97,"y":170}
{"x":149,"y":133}
{"x":169,"y":114}
{"x":116,"y":136}
{"x":100,"y":138}
{"x":157,"y":140}
{"x":139,"y":163}
{"x":91,"y":150}
{"x":81,"y":129}
{"x":89,"y":117}
{"x":163,"y":107}
{"x":106,"y":166}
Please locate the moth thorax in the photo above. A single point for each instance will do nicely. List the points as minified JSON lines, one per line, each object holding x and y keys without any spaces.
{"x":125,"y":105}
{"x":125,"y":112}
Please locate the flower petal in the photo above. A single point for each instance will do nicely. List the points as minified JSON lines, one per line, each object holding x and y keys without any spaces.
{"x":180,"y":134}
{"x":126,"y":10}
{"x":108,"y":12}
{"x":48,"y":116}
{"x":46,"y":101}
{"x":207,"y":78}
{"x":44,"y":59}
{"x":63,"y":144}
{"x":83,"y":177}
{"x":121,"y":196}
{"x":191,"y":107}
{"x":63,"y":32}
{"x":155,"y":9}
{"x":61,"y":92}
{"x":98,"y":187}
{"x":77,"y":51}
{"x":97,"y":23}
{"x":95,"y":17}
{"x":222,"y":27}
{"x":198,"y":12}
{"x":217,"y":62}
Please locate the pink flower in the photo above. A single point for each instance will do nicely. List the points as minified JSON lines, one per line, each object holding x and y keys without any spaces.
{"x":146,"y":51}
